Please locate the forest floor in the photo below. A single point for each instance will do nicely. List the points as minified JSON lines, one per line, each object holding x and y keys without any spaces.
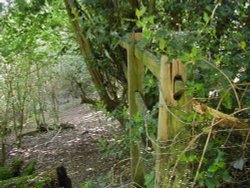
{"x":77,"y":149}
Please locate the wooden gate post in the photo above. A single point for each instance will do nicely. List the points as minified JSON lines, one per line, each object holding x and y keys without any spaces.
{"x":172,"y":79}
{"x":135,"y":84}
{"x":163,"y":122}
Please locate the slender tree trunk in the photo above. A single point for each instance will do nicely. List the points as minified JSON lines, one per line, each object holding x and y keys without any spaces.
{"x":40,"y":101}
{"x":3,"y":144}
{"x":20,"y":108}
{"x":36,"y":115}
{"x":41,"y":110}
{"x":151,"y":6}
{"x":134,"y":3}
{"x":20,"y":127}
{"x":4,"y":125}
{"x":83,"y":95}
{"x":55,"y":107}
{"x":3,"y":153}
{"x":87,"y":54}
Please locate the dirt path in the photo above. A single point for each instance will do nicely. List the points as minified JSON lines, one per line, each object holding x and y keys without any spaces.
{"x":77,"y":149}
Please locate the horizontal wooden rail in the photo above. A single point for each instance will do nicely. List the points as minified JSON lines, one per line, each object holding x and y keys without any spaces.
{"x":149,"y":60}
{"x":145,"y":57}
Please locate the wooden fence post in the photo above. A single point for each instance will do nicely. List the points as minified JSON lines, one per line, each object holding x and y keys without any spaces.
{"x":170,"y":124}
{"x":135,"y":84}
{"x":163,"y":122}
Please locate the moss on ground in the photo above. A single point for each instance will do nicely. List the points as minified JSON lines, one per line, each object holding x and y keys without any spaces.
{"x":31,"y":181}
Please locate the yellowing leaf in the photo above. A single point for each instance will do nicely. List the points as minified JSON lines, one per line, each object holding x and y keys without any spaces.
{"x":243,"y":45}
{"x":162,"y":44}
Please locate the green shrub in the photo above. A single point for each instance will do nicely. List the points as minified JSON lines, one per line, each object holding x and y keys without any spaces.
{"x":29,"y":168}
{"x":11,"y":170}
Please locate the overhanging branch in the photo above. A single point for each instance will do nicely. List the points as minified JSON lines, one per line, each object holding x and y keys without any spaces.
{"x":226,"y":121}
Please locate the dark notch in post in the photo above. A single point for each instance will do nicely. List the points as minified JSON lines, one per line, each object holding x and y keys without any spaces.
{"x":179,"y":87}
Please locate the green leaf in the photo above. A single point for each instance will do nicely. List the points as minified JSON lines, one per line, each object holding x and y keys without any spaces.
{"x":194,"y":51}
{"x":140,"y":24}
{"x":206,"y":17}
{"x":220,"y":165}
{"x":140,"y":12}
{"x":183,"y":158}
{"x":213,"y":168}
{"x":150,"y":179}
{"x":227,"y":102}
{"x":192,"y":158}
{"x":243,"y":45}
{"x":185,"y":57}
{"x":150,"y":19}
{"x":210,"y":183}
{"x":226,"y":177}
{"x":220,"y":156}
{"x":162,"y":43}
{"x":147,"y":33}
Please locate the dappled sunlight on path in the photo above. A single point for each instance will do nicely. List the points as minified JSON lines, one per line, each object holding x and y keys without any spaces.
{"x":77,"y":149}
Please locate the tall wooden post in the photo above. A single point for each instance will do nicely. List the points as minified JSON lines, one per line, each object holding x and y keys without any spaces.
{"x":163,"y":128}
{"x":135,"y":84}
{"x":172,"y":77}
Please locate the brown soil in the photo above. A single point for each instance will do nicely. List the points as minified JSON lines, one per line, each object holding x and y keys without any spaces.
{"x":77,"y":149}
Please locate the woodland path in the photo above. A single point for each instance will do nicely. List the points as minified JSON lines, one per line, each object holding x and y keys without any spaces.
{"x":77,"y":149}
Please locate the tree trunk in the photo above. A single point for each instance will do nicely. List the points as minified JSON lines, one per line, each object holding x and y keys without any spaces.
{"x":135,"y":4}
{"x":83,"y":95}
{"x":151,"y":6}
{"x":3,"y":152}
{"x":40,"y":100}
{"x":86,"y":51}
{"x":55,"y":107}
